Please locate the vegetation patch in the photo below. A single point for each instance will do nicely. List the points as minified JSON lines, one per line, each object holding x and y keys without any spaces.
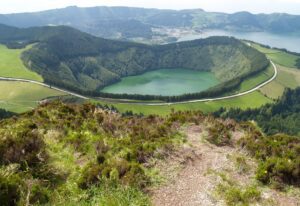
{"x":278,"y":157}
{"x":20,"y":97}
{"x":235,"y":195}
{"x":63,"y":154}
{"x":219,"y":133}
{"x":253,"y":100}
{"x":281,"y":117}
{"x":241,"y":164}
{"x":279,"y":56}
{"x":11,"y":64}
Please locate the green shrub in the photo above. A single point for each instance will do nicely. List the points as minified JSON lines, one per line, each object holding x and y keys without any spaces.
{"x":111,"y":193}
{"x":91,"y":174}
{"x":135,"y":176}
{"x":219,"y":135}
{"x":10,"y":189}
{"x":279,"y":171}
{"x":23,"y":145}
{"x":279,"y":158}
{"x":235,"y":195}
{"x":39,"y":195}
{"x":241,"y":164}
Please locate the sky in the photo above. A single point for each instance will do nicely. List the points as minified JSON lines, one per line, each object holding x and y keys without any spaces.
{"x":228,"y":6}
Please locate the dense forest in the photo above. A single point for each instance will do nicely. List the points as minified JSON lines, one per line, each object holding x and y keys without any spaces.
{"x":80,"y":62}
{"x":281,"y":117}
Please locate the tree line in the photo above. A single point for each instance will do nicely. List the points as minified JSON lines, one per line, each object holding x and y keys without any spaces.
{"x":281,"y":117}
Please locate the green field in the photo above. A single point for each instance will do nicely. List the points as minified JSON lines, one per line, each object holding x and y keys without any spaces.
{"x":256,"y":80}
{"x":166,"y":82}
{"x":11,"y":64}
{"x":278,"y":57}
{"x":253,"y":100}
{"x":20,"y":96}
{"x":288,"y":76}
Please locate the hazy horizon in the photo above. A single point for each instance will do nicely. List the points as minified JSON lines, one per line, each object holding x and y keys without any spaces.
{"x":228,"y":6}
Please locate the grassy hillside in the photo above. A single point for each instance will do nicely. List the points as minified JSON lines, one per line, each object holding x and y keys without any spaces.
{"x":279,"y":57}
{"x":256,"y":80}
{"x":288,"y":74}
{"x":287,"y":78}
{"x":81,"y":155}
{"x":11,"y":64}
{"x":85,"y":156}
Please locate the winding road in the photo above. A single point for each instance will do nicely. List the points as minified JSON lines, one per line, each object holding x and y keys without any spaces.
{"x":145,"y":103}
{"x":42,"y":84}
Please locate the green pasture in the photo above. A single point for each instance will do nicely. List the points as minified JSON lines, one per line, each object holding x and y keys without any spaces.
{"x":20,"y":96}
{"x":257,"y":79}
{"x":277,"y":56}
{"x":11,"y":64}
{"x":288,"y":76}
{"x":253,"y":100}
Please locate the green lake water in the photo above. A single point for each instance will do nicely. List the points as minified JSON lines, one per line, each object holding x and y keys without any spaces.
{"x":164,"y":82}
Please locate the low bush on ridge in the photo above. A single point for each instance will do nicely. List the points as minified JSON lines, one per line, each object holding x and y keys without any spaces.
{"x":278,"y":156}
{"x":57,"y":144}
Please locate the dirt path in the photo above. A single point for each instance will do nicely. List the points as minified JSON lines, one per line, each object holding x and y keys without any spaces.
{"x":195,"y":184}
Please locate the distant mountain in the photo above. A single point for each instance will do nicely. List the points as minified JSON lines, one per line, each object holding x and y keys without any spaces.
{"x":126,"y":22}
{"x":79,"y":61}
